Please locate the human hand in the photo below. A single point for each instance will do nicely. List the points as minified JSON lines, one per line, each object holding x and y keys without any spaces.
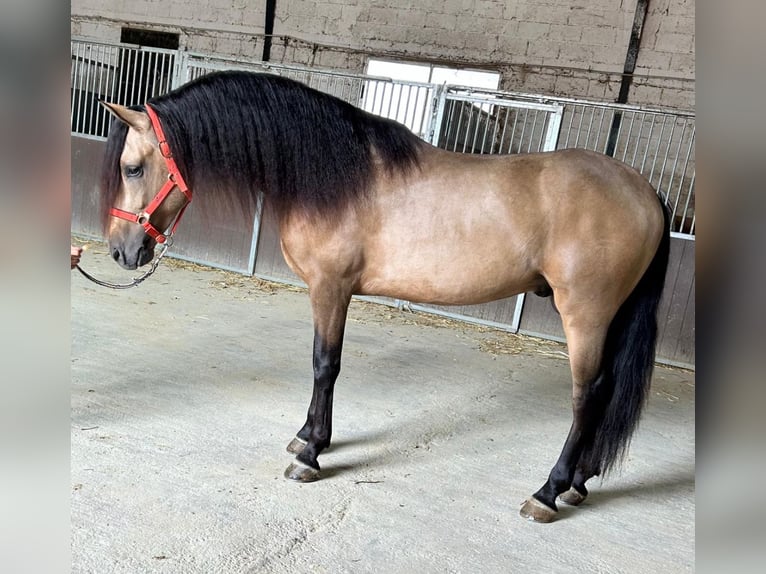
{"x":76,"y":254}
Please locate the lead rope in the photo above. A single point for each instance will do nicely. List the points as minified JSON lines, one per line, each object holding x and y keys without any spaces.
{"x":136,"y":280}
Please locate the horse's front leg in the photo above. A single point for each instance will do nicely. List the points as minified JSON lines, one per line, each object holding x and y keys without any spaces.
{"x":329,"y":309}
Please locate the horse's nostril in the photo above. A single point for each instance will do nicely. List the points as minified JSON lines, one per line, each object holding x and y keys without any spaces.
{"x":116,"y":254}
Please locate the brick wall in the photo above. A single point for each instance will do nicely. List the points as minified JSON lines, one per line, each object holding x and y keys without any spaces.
{"x":564,"y":47}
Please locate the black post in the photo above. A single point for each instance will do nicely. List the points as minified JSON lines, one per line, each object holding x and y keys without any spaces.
{"x":271,"y":10}
{"x":642,"y":8}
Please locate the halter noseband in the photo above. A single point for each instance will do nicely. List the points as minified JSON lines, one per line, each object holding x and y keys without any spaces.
{"x":175,"y":179}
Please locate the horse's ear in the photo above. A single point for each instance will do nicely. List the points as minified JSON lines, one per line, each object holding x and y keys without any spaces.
{"x":139,"y":121}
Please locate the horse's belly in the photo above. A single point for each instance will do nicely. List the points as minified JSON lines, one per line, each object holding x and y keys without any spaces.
{"x":434,"y":274}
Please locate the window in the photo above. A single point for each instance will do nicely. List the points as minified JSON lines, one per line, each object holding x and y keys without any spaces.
{"x":149,"y":38}
{"x":432,"y":74}
{"x":396,"y":98}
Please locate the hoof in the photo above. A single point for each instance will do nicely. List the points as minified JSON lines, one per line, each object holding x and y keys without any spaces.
{"x":301,"y":472}
{"x":535,"y":510}
{"x":296,"y":446}
{"x":572,"y":497}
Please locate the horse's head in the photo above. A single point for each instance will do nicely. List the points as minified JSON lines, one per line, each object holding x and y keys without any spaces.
{"x":147,"y":192}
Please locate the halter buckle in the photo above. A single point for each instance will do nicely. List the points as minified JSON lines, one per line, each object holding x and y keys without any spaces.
{"x":165,"y":149}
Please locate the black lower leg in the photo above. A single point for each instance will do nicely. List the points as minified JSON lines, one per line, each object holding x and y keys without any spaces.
{"x":560,"y":477}
{"x":581,"y":476}
{"x":305,"y":431}
{"x":565,"y":472}
{"x":317,"y":431}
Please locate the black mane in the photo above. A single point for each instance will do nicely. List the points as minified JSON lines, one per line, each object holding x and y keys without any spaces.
{"x":234,"y":134}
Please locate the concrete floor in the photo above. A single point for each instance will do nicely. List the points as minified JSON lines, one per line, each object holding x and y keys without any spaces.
{"x":186,"y":390}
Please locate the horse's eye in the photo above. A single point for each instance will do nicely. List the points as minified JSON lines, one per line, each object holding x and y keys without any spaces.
{"x":134,"y":171}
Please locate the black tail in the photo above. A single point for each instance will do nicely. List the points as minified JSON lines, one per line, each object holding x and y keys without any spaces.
{"x":628,"y":362}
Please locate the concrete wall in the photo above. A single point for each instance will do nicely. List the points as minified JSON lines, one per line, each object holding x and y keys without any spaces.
{"x":562,"y":47}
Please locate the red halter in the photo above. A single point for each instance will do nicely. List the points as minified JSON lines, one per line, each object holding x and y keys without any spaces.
{"x":174,"y":180}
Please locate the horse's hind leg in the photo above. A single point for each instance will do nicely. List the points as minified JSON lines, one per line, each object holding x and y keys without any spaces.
{"x":329,"y":308}
{"x":577,"y":493}
{"x":589,"y":398}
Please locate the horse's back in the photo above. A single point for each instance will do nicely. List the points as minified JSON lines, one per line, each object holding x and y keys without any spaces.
{"x":470,"y":229}
{"x":466,"y":229}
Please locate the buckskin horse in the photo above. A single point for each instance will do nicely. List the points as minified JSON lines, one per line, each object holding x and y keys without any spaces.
{"x":367,"y":208}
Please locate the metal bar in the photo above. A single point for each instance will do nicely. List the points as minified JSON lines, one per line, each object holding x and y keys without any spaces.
{"x":428,"y":113}
{"x":590,"y":128}
{"x":674,"y":170}
{"x":172,"y":62}
{"x":372,"y":95}
{"x":151,"y":66}
{"x":513,"y":129}
{"x":100,"y":112}
{"x":133,"y":78}
{"x":77,"y":91}
{"x":486,"y":130}
{"x":375,"y":99}
{"x":627,"y":138}
{"x":534,"y":131}
{"x":73,"y":81}
{"x":87,"y":117}
{"x":694,"y":217}
{"x":429,"y":102}
{"x":541,"y":139}
{"x":452,"y":105}
{"x":412,"y":102}
{"x":440,"y":99}
{"x":569,"y":128}
{"x":459,"y":122}
{"x":417,"y":123}
{"x":494,"y":130}
{"x":598,"y":131}
{"x":579,"y":127}
{"x":689,"y":194}
{"x":517,"y":311}
{"x":479,"y":116}
{"x":109,"y":94}
{"x":405,"y":120}
{"x":398,"y":102}
{"x":130,"y":93}
{"x":619,"y":133}
{"x":365,"y":95}
{"x":419,"y":119}
{"x":507,"y":110}
{"x":648,"y":143}
{"x":657,"y":151}
{"x":184,"y":69}
{"x":523,"y":129}
{"x":119,"y":75}
{"x":390,"y":89}
{"x":554,"y":129}
{"x":638,"y":141}
{"x":255,"y":235}
{"x":665,"y":160}
{"x":484,"y":101}
{"x":468,"y":127}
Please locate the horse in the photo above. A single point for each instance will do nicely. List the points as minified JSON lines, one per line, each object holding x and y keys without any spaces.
{"x":365,"y":207}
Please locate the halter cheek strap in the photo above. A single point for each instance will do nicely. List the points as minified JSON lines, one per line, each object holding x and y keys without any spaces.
{"x":175,"y":179}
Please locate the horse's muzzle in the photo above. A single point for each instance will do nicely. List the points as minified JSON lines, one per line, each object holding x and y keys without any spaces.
{"x":133,"y":256}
